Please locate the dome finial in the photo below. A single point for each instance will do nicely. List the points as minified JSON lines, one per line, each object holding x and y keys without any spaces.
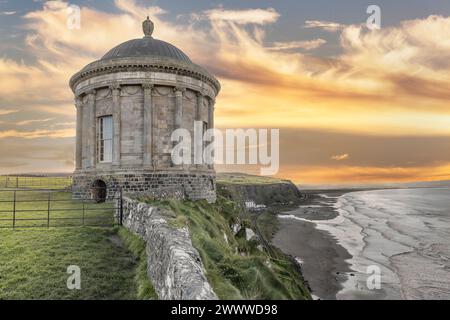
{"x":147,"y":27}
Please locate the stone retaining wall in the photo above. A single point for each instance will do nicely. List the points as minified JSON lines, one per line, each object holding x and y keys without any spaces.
{"x":174,"y":265}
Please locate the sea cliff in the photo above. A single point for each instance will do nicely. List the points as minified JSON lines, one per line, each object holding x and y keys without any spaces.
{"x":198,"y":250}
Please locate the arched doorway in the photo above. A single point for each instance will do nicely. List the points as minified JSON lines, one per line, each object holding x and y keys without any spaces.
{"x":99,"y":191}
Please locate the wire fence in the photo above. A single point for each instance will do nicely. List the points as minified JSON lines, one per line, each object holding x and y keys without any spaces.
{"x":56,"y":208}
{"x":35,"y":182}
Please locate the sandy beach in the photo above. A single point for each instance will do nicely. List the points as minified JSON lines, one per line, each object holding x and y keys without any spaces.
{"x":323,"y":260}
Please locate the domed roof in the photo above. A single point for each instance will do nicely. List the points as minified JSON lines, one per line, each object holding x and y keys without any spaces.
{"x":146,"y":54}
{"x":145,"y":47}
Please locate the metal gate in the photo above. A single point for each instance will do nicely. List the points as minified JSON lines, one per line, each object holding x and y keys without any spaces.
{"x":25,"y":208}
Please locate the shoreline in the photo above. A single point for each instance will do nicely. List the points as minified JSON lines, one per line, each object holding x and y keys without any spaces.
{"x":395,"y":232}
{"x":323,"y":260}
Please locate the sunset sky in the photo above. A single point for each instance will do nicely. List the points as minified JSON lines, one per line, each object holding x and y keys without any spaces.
{"x":352,"y":105}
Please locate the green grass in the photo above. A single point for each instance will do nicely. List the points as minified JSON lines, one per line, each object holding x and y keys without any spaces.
{"x":35,"y":182}
{"x":241,"y":178}
{"x":34,"y":263}
{"x":235,"y":268}
{"x":61,"y":207}
{"x":136,"y":245}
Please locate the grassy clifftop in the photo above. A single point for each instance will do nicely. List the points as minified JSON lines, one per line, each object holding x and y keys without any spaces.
{"x":235,"y":267}
{"x":242,"y":178}
{"x":265,"y":191}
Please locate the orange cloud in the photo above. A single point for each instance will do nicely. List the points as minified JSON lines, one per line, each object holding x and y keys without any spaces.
{"x":64,"y":133}
{"x":7,"y":111}
{"x":340,"y":157}
{"x":307,"y":45}
{"x":364,"y":175}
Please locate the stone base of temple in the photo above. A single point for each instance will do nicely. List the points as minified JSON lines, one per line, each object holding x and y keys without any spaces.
{"x":193,"y":186}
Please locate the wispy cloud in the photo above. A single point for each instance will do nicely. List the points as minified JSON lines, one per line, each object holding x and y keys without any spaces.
{"x":7,"y":13}
{"x":248,"y":16}
{"x":28,"y":122}
{"x":7,"y":111}
{"x":325,"y":25}
{"x":65,"y":133}
{"x":340,"y":157}
{"x":64,"y":124}
{"x":306,"y":45}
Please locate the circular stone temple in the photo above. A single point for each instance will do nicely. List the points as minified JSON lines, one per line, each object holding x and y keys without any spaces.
{"x":128,"y":104}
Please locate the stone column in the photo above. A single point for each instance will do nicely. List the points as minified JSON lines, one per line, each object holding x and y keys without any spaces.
{"x":178,"y":114}
{"x":117,"y":119}
{"x":148,"y":124}
{"x":211,"y":103}
{"x":198,"y":109}
{"x":178,"y":107}
{"x":92,"y":134}
{"x":79,"y":133}
{"x":198,"y":143}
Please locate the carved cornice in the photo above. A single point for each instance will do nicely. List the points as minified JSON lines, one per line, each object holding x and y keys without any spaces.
{"x":146,"y":65}
{"x":128,"y":91}
{"x":179,"y":90}
{"x":115,"y":87}
{"x":91,"y":95}
{"x":84,"y":99}
{"x":159,"y":91}
{"x":190,"y":95}
{"x":148,"y":86}
{"x":78,"y":102}
{"x":212,"y":101}
{"x":106,"y":94}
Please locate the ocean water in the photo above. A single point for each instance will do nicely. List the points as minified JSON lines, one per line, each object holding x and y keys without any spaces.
{"x":404,"y":234}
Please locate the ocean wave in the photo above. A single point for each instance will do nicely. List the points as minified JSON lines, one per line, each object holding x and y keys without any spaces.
{"x":327,"y":196}
{"x":392,"y":224}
